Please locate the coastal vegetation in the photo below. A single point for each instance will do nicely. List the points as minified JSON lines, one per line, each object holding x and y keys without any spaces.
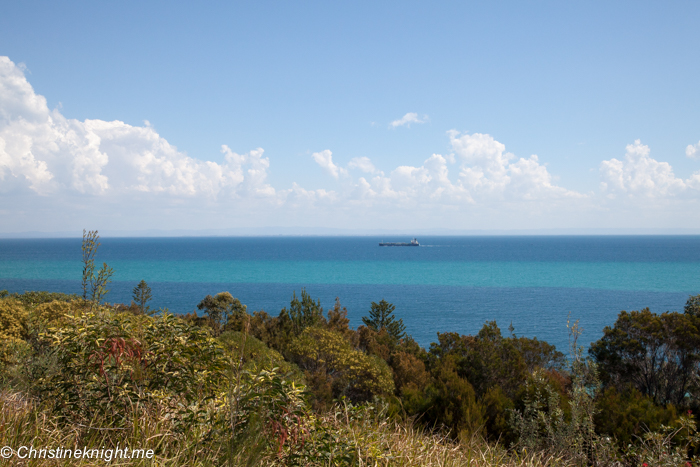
{"x":225,"y":386}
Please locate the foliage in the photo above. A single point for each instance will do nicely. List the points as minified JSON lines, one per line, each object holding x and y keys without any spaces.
{"x":54,"y":313}
{"x":13,"y":320}
{"x":409,"y":371}
{"x":451,"y":402}
{"x":13,"y":328}
{"x":668,"y":447}
{"x":108,"y":362}
{"x":142,"y":295}
{"x":692,"y":306}
{"x":94,"y":286}
{"x":338,"y":320}
{"x":543,"y":426}
{"x":495,"y":368}
{"x":221,"y":308}
{"x":264,"y":403}
{"x":303,"y":313}
{"x":239,"y":398}
{"x":381,"y":317}
{"x":538,"y":354}
{"x":327,"y":356}
{"x":35,"y":298}
{"x":627,"y":415}
{"x":254,"y":355}
{"x":656,"y":354}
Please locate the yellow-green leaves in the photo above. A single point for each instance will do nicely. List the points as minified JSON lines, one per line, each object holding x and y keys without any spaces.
{"x":13,"y":329}
{"x":353,"y":373}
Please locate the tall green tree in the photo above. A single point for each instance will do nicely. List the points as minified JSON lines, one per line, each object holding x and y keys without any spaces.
{"x":659,"y":355}
{"x":220,"y":308}
{"x":94,"y":286}
{"x":304,"y":313}
{"x":142,"y":295}
{"x":381,"y":317}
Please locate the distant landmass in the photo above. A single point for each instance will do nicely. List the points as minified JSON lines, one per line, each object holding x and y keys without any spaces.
{"x":325,"y":231}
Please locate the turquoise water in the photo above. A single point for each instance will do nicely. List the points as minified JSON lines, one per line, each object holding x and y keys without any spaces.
{"x":447,"y":284}
{"x":649,"y":276}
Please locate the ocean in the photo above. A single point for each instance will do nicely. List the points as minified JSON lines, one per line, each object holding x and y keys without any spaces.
{"x":448,"y":284}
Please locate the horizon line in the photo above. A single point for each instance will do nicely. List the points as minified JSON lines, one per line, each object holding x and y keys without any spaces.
{"x":330,"y":232}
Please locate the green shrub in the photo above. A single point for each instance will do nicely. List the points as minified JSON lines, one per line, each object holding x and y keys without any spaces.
{"x":262,"y":411}
{"x":627,"y":415}
{"x":35,"y":298}
{"x":670,"y":446}
{"x":14,"y":329}
{"x":108,"y":362}
{"x":451,"y":402}
{"x":254,"y":355}
{"x":351,"y":372}
{"x":55,"y":313}
{"x":544,"y":424}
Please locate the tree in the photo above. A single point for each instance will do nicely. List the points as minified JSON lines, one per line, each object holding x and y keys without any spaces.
{"x":692,"y":306}
{"x":142,"y":294}
{"x":305,"y":312}
{"x":94,"y":287}
{"x":656,"y":354}
{"x":381,"y":318}
{"x":220,"y":308}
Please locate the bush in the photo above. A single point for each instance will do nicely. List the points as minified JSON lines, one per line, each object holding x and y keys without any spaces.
{"x":326,"y":356}
{"x":254,"y":355}
{"x":35,"y":298}
{"x":108,"y":362}
{"x":627,"y":415}
{"x":14,"y":329}
{"x":451,"y":403}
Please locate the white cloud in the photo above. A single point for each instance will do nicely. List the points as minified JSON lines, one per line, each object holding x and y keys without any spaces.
{"x":639,"y":175}
{"x":488,"y":171}
{"x":71,"y":168}
{"x":693,"y":151}
{"x":428,"y":183}
{"x":486,"y":174}
{"x":362,"y":163}
{"x":325,"y":160}
{"x":407,"y":119}
{"x":51,"y":154}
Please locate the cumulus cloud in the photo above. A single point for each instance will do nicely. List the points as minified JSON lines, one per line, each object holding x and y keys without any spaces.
{"x":51,"y":154}
{"x":50,"y":159}
{"x":488,"y":171}
{"x":325,"y":160}
{"x":639,"y":175}
{"x":693,"y":151}
{"x":485,"y":174}
{"x":407,"y":119}
{"x":362,"y":163}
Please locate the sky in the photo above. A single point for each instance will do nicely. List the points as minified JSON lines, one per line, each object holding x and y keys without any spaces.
{"x":356,"y":116}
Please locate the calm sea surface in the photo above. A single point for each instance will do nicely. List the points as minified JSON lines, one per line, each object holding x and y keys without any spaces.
{"x":446,"y":284}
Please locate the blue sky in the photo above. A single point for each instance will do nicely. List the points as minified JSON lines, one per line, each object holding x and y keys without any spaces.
{"x":605,"y":94}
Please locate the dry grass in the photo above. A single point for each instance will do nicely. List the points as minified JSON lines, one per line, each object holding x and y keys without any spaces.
{"x":379,"y":442}
{"x":23,"y":423}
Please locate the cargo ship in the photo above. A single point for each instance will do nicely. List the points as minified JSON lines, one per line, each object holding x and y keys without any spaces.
{"x":413,"y":242}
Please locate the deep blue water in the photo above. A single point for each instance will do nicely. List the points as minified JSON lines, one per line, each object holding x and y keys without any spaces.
{"x":447,"y":284}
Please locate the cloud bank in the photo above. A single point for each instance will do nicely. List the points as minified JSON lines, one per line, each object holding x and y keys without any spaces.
{"x":57,"y":173}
